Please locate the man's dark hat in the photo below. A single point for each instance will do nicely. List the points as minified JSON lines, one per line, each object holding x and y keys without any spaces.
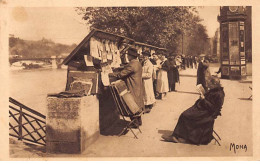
{"x":164,"y":53}
{"x":146,"y":53}
{"x":132,"y":51}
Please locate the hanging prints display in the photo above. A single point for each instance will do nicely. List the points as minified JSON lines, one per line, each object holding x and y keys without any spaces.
{"x":116,"y":56}
{"x":104,"y":75}
{"x":88,"y":60}
{"x":94,"y":48}
{"x":104,"y":50}
{"x":110,"y":52}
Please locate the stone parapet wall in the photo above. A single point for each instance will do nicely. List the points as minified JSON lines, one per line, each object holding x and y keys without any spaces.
{"x":72,"y":124}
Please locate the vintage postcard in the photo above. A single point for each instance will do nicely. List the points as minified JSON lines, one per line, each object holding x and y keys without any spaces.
{"x":129,"y":80}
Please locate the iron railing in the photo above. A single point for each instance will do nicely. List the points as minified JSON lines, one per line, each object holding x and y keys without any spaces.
{"x":26,"y":124}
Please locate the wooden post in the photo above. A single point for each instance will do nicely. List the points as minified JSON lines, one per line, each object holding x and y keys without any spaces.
{"x":21,"y":124}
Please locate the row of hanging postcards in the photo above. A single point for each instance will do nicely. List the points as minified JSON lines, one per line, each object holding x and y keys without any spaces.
{"x":106,"y":51}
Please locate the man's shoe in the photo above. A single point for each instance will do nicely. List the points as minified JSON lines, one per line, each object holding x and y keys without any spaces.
{"x":133,"y":126}
{"x":147,"y":110}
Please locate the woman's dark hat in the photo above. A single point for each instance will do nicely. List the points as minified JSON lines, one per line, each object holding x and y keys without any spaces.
{"x":132,"y":52}
{"x":146,"y":53}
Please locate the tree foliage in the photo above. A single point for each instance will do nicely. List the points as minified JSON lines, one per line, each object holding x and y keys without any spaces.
{"x":198,"y":41}
{"x":159,"y":26}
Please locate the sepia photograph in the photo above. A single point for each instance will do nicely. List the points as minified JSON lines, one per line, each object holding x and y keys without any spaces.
{"x":129,"y":82}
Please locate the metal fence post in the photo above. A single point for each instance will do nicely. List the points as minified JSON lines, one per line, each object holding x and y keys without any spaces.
{"x":21,"y":124}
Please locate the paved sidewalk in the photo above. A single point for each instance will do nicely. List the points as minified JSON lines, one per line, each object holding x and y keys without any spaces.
{"x":234,"y":126}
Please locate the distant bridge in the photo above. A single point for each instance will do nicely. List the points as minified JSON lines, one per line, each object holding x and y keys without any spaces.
{"x":55,"y":61}
{"x":12,"y":60}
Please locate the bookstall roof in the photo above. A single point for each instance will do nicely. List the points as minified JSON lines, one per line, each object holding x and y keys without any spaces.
{"x":103,"y":35}
{"x":146,"y":45}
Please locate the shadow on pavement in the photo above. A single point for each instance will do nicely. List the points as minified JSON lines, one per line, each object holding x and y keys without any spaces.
{"x":249,"y":99}
{"x":185,"y":75}
{"x":195,"y":93}
{"x":116,"y":128}
{"x":20,"y":149}
{"x":165,"y":132}
{"x":35,"y":148}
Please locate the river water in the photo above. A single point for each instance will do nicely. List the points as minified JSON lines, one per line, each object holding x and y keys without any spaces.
{"x":31,"y":87}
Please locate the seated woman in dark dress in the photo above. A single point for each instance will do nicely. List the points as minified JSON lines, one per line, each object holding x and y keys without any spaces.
{"x":195,"y":125}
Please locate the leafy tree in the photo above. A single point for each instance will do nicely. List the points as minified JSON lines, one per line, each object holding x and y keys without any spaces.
{"x":198,"y":41}
{"x":160,"y":26}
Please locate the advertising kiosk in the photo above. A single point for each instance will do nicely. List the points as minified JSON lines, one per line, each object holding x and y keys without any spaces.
{"x":232,"y":42}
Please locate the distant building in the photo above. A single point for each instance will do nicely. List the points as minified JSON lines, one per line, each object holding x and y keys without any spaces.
{"x":216,"y":44}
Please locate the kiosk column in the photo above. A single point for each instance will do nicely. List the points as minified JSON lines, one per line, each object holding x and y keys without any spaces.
{"x":232,"y":42}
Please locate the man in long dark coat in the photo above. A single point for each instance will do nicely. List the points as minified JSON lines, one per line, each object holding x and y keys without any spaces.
{"x":183,"y":64}
{"x":201,"y":72}
{"x":173,"y":74}
{"x":191,"y":63}
{"x":132,"y":75}
{"x":195,"y":125}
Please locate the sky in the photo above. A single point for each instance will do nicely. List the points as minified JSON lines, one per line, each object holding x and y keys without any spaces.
{"x":60,"y":24}
{"x":209,"y":15}
{"x":64,"y":25}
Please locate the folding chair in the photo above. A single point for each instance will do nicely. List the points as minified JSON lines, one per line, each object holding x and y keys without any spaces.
{"x":249,"y":98}
{"x":125,"y":104}
{"x":214,"y":134}
{"x":216,"y":140}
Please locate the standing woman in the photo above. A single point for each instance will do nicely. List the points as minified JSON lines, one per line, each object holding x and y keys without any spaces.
{"x":154,"y":61}
{"x":162,"y":79}
{"x":148,"y":82}
{"x":156,"y":68}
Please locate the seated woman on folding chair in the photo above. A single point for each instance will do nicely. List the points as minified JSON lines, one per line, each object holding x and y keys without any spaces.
{"x":195,"y":125}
